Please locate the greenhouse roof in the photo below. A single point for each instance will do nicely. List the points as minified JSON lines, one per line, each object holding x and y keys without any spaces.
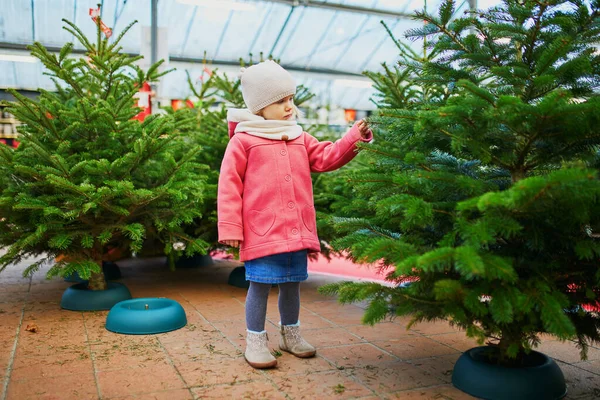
{"x":325,"y":44}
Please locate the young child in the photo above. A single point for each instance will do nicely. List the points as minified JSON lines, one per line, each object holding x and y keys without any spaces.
{"x":265,"y":201}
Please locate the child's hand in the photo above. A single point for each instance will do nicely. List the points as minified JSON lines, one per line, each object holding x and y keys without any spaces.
{"x":364,"y":129}
{"x":232,"y":243}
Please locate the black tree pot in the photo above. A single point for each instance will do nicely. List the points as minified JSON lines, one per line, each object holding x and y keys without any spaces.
{"x":539,"y":379}
{"x":195,"y":261}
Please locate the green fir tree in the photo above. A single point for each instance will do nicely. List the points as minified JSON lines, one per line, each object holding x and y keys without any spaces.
{"x":88,"y":177}
{"x":483,"y":182}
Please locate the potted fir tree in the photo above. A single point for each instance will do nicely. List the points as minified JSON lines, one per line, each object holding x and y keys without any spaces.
{"x":87,"y":177}
{"x":484,"y":189}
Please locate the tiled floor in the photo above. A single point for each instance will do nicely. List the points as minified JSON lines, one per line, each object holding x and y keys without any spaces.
{"x":72,"y":355}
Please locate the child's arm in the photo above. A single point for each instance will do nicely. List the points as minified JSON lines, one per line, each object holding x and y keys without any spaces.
{"x":328,"y":156}
{"x":229,"y":193}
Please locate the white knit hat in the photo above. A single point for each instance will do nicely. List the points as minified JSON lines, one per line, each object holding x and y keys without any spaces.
{"x":265,"y":83}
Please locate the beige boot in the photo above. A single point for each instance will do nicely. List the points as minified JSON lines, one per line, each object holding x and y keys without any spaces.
{"x":257,"y":352}
{"x":292,"y":342}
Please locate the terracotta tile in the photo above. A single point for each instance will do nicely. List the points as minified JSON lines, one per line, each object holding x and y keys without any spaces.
{"x":178,"y":394}
{"x":75,"y":387}
{"x":350,"y":317}
{"x":580,"y":383}
{"x":288,"y":365}
{"x":199,"y":330}
{"x":566,"y":351}
{"x":97,"y":333}
{"x":51,"y":366}
{"x":322,"y":385}
{"x":223,"y":310}
{"x":51,"y":333}
{"x":138,"y":380}
{"x":445,"y":392}
{"x":35,"y":307}
{"x":330,"y":307}
{"x":15,"y":287}
{"x":217,"y":371}
{"x":441,"y":366}
{"x":590,"y":366}
{"x":457,"y":340}
{"x":52,"y":315}
{"x":433,"y":328}
{"x":53,"y":285}
{"x":245,"y":390}
{"x":111,"y":356}
{"x":356,"y":356}
{"x":414,"y":347}
{"x":308,"y":320}
{"x":13,"y":297}
{"x":330,"y":337}
{"x":311,"y":294}
{"x":30,"y":348}
{"x":181,"y":352}
{"x":380,"y":331}
{"x":11,"y":310}
{"x":4,"y":361}
{"x":8,"y":331}
{"x":394,"y":376}
{"x":235,"y":331}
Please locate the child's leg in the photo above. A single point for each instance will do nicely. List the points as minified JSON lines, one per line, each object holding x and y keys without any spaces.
{"x":257,"y":352}
{"x":289,"y":309}
{"x":256,"y":306}
{"x":289,"y":302}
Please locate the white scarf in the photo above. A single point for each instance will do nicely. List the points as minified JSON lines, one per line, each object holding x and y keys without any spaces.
{"x":258,"y":126}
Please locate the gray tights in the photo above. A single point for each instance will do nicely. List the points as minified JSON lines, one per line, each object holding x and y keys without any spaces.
{"x":256,"y":304}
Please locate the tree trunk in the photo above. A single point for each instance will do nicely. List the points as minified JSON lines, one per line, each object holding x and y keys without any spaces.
{"x":517,"y":175}
{"x":507,"y":340}
{"x":97,"y":280}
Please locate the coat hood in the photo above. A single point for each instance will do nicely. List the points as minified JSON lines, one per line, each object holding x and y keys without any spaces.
{"x":237,"y":115}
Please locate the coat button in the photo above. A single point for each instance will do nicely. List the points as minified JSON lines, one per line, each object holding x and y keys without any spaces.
{"x":294,"y":231}
{"x":283,"y":152}
{"x":288,"y":178}
{"x":291,"y":204}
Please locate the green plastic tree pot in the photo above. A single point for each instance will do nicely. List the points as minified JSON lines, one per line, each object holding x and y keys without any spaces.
{"x":79,"y":298}
{"x":146,"y":316}
{"x":541,"y":379}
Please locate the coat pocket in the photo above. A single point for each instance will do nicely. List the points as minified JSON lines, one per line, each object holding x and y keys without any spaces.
{"x":261,"y":221}
{"x":309,"y":217}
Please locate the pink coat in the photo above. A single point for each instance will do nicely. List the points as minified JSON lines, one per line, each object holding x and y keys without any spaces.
{"x":265,"y":196}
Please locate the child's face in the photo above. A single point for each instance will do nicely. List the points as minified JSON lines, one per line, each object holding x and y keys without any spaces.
{"x":281,"y":110}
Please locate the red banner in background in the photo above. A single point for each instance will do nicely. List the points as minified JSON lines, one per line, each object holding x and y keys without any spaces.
{"x":95,"y":14}
{"x":177,"y":104}
{"x":144,"y":101}
{"x":350,"y":115}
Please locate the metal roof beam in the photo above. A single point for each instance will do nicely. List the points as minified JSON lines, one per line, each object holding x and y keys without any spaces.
{"x":223,"y":32}
{"x":343,"y":7}
{"x":281,"y":30}
{"x":173,"y":58}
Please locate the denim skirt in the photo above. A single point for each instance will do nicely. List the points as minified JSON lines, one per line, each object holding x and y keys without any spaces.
{"x":278,"y":268}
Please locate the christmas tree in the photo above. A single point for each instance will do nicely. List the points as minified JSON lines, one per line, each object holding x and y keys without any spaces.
{"x":483,"y":184}
{"x":88,"y":177}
